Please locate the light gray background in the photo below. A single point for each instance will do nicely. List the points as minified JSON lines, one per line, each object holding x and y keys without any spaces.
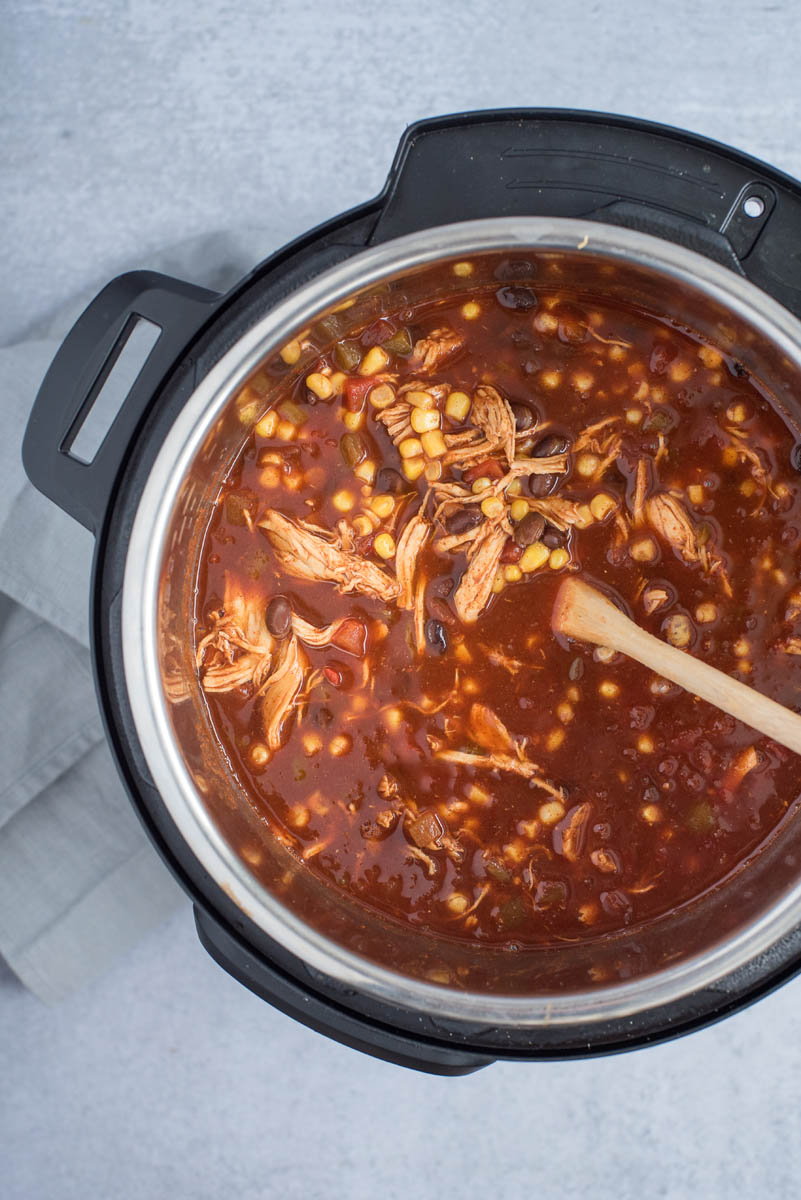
{"x":127,"y":126}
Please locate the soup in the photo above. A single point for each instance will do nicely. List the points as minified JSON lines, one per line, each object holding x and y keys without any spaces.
{"x":373,"y":632}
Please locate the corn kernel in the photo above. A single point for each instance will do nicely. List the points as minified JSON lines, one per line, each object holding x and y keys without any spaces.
{"x":270,"y":477}
{"x":643,"y":549}
{"x":470,"y":310}
{"x":737,"y":412}
{"x":362,"y":526}
{"x":291,"y":352}
{"x":633,"y":416}
{"x":601,"y":506}
{"x":642,"y":391}
{"x":748,"y":487}
{"x":554,"y":739}
{"x":492,"y":507}
{"x":680,"y":370}
{"x":286,"y":431}
{"x":410,"y":447}
{"x":366,"y":471}
{"x":729,"y":457}
{"x":645,"y":743}
{"x":433,"y":471}
{"x":617,"y":353}
{"x":515,"y":488}
{"x":550,"y":379}
{"x":585,"y":517}
{"x":374,"y":361}
{"x":298,"y":816}
{"x":564,"y":712}
{"x":695,"y":493}
{"x":741,"y":648}
{"x":354,"y":421}
{"x":393,"y":719}
{"x":709,"y":357}
{"x":268,"y":425}
{"x":457,"y":406}
{"x":609,"y":689}
{"x":480,"y":485}
{"x":312,"y":743}
{"x":433,"y":443}
{"x":259,"y":755}
{"x":384,"y":545}
{"x":498,"y":583}
{"x":533,"y":557}
{"x":573,"y":694}
{"x":582,"y":381}
{"x":512,"y":573}
{"x":706,"y":613}
{"x":423,"y":420}
{"x":587,"y":464}
{"x":340,"y":745}
{"x":678,"y":630}
{"x":382,"y":505}
{"x":462,"y":269}
{"x":551,"y":812}
{"x":420,"y":399}
{"x":413,"y":468}
{"x":381,"y":396}
{"x":343,"y":501}
{"x":559,"y":558}
{"x":546,"y":322}
{"x":651,"y":813}
{"x":337,"y":381}
{"x":478,"y":795}
{"x":457,"y":903}
{"x":518,"y":509}
{"x":320,"y":385}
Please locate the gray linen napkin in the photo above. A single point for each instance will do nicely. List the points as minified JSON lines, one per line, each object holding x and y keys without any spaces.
{"x":79,"y":882}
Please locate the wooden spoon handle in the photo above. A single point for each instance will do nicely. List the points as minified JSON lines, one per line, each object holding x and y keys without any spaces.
{"x":584,"y":613}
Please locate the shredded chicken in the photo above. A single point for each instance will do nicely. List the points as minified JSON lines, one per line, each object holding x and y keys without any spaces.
{"x":558,"y":511}
{"x":791,"y":645}
{"x":410,"y":545}
{"x":311,"y":553}
{"x":475,"y":586}
{"x":316,"y":636}
{"x":501,"y":762}
{"x":432,"y":350}
{"x":745,"y":761}
{"x":668,"y":516}
{"x":640,"y":490}
{"x":281,"y":690}
{"x":493,"y":416}
{"x":488,"y":730}
{"x":397,"y":420}
{"x":239,"y":648}
{"x":571,"y":832}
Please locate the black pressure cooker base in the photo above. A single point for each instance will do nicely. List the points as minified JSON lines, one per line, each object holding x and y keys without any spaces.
{"x":671,"y":184}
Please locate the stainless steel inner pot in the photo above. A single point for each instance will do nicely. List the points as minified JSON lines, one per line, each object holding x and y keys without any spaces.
{"x":614,"y":978}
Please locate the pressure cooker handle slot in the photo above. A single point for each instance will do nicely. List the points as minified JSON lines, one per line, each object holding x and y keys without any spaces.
{"x":102,"y":382}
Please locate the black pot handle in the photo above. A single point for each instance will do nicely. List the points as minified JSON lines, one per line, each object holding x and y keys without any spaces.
{"x":80,"y":369}
{"x":325,"y":1016}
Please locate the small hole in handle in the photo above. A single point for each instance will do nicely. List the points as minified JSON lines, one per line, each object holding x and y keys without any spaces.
{"x":132,"y":352}
{"x":753,"y":206}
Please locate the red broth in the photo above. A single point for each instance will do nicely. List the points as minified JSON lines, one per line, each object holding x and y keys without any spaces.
{"x":373,"y":621}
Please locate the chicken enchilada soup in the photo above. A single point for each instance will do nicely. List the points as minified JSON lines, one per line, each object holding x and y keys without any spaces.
{"x":373,"y":622}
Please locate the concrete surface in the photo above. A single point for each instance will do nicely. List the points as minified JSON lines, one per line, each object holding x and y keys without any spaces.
{"x":125,"y":126}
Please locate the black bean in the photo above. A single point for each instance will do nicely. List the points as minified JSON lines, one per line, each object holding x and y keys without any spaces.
{"x":462,"y":520}
{"x":436,"y":636}
{"x":389,"y":481}
{"x":542,"y":485}
{"x":514,"y":268}
{"x":553,"y":537}
{"x":529,"y":530}
{"x":442,"y":586}
{"x":524,"y":416}
{"x":439,"y":609}
{"x":576,"y":669}
{"x":279,"y":616}
{"x":795,"y":457}
{"x":551,"y":444}
{"x":516,"y":297}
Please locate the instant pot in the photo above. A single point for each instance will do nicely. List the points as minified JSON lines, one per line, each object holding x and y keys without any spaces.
{"x":694,"y":230}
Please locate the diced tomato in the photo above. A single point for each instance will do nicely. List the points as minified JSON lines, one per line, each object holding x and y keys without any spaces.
{"x":355,"y":391}
{"x":489,"y":467}
{"x":351,"y":637}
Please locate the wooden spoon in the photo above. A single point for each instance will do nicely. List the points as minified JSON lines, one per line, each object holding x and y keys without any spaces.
{"x":582,"y":612}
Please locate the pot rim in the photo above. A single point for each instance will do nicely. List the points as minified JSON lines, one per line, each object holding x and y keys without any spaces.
{"x":140,"y":599}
